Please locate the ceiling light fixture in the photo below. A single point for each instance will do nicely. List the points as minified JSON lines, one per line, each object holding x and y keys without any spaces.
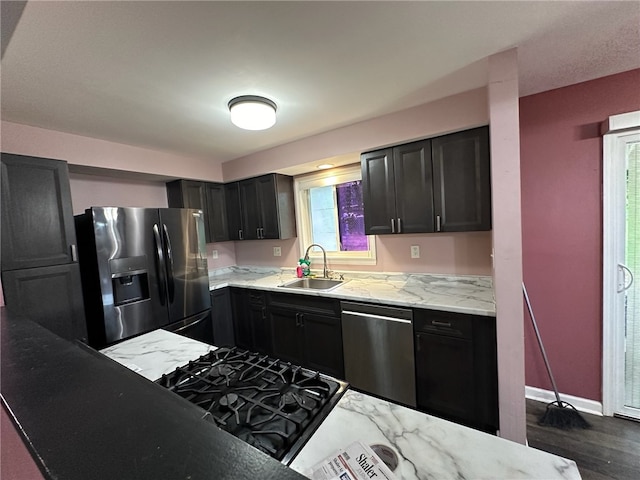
{"x":324,"y":166}
{"x":252,"y":113}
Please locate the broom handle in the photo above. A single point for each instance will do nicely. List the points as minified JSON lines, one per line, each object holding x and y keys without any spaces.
{"x":544,"y":354}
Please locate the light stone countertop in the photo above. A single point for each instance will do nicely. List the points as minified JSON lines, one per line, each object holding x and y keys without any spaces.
{"x":463,"y":294}
{"x":427,"y":447}
{"x":156,"y":353}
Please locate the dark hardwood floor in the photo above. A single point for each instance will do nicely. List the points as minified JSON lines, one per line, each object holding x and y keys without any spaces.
{"x":610,"y":449}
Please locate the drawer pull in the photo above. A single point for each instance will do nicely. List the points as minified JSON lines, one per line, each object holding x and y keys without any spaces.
{"x":441,"y":324}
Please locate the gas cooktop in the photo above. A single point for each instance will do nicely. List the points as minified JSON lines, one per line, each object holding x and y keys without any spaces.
{"x":271,"y":404}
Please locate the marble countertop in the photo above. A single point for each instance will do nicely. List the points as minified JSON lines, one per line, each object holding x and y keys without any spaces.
{"x":156,"y":353}
{"x":462,"y":294}
{"x":427,"y":447}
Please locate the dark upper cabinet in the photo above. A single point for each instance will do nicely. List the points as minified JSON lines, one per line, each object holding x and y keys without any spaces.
{"x":205,"y":196}
{"x":439,"y":184}
{"x":37,"y":217}
{"x":462,"y":181}
{"x":378,"y":191}
{"x":234,"y":210}
{"x":216,"y":212}
{"x":261,"y":208}
{"x":456,"y":367}
{"x":397,"y":186}
{"x":186,"y":194}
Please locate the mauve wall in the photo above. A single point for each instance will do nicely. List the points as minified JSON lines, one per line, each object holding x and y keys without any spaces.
{"x":561,"y":172}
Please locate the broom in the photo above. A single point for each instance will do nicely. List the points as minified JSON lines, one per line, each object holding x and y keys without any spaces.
{"x":558,"y":413}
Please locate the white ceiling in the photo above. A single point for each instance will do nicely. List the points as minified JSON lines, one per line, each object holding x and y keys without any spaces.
{"x":159,"y":74}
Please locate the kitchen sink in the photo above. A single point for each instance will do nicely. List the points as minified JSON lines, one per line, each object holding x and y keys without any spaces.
{"x":313,"y":284}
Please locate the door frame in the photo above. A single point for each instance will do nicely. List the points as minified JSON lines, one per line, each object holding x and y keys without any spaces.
{"x":615,"y":131}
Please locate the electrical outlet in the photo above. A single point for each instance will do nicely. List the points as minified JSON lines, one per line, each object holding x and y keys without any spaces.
{"x":214,"y":254}
{"x":277,"y":252}
{"x":415,"y":251}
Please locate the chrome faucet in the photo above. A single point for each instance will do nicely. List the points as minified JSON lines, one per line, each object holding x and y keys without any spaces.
{"x":325,"y":273}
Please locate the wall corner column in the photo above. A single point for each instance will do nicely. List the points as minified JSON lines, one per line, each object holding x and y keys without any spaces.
{"x":507,"y":241}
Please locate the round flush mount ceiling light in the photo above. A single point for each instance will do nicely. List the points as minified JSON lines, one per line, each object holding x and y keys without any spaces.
{"x":252,"y":113}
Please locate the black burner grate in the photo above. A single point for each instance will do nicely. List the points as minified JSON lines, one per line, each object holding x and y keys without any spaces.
{"x":270,"y":404}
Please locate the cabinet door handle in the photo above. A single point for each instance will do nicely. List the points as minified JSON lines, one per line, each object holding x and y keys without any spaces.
{"x":240,"y":236}
{"x":74,"y":253}
{"x":297,"y":319}
{"x":258,"y":232}
{"x":261,"y":232}
{"x":399,"y":226}
{"x":441,"y":324}
{"x":418,"y":342}
{"x":437,"y":223}
{"x":264,"y":313}
{"x":302,"y":319}
{"x":393,"y":226}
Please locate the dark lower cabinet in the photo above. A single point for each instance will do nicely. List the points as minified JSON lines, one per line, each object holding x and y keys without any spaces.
{"x":306,"y":330}
{"x":222,"y":318}
{"x":50,"y":296}
{"x":252,"y":328}
{"x":456,"y":368}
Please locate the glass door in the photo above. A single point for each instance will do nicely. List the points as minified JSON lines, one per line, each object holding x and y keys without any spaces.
{"x":631,"y":287}
{"x":621,"y":263}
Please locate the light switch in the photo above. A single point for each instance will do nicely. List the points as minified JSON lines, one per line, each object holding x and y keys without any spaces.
{"x":277,"y":252}
{"x":214,"y":254}
{"x":415,"y":251}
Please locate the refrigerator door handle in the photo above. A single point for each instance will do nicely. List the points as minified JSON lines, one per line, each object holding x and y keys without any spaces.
{"x":160,"y":263}
{"x":169,"y":263}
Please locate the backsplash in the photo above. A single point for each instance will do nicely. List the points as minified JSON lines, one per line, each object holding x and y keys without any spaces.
{"x":457,"y":253}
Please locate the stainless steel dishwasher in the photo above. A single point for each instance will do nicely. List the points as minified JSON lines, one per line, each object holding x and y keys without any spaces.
{"x":378,"y":350}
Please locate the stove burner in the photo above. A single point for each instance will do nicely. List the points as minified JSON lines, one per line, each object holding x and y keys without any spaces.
{"x":228,"y":401}
{"x":270,"y":404}
{"x":220,"y":371}
{"x":291,"y":401}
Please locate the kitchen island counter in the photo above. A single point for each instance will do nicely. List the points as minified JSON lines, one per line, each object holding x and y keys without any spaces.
{"x":426,"y":446}
{"x":463,"y":294}
{"x":83,"y":416}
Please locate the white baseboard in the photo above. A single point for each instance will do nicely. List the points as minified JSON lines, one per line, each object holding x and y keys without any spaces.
{"x":547,"y":396}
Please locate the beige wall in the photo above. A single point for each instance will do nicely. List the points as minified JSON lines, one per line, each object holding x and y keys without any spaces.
{"x":456,"y":253}
{"x":99,"y":191}
{"x":461,"y":253}
{"x":101,"y":154}
{"x":507,"y":241}
{"x":458,"y":112}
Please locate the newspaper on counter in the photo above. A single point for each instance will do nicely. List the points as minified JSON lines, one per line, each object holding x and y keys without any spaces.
{"x":355,"y":462}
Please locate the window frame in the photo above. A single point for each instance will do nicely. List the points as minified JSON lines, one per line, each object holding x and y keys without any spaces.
{"x":323,"y":178}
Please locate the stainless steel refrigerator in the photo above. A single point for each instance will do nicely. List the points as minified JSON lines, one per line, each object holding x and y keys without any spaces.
{"x":143,"y":269}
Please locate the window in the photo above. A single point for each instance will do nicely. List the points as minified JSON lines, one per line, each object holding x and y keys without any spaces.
{"x":330,"y":213}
